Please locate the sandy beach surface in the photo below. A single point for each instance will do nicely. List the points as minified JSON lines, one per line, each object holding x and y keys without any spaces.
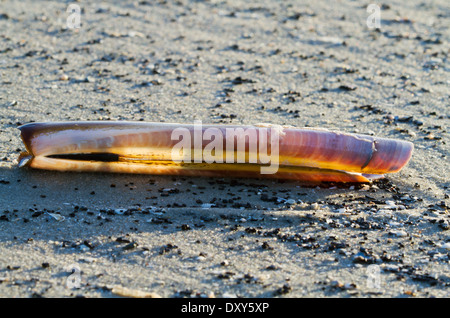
{"x":298,"y":63}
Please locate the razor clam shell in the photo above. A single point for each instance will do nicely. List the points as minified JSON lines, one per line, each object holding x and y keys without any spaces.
{"x":303,"y":174}
{"x":301,"y":147}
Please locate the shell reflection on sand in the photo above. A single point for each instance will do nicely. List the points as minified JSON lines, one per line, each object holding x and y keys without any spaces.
{"x":302,"y":154}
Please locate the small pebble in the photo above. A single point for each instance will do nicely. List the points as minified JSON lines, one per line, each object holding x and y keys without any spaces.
{"x":398,"y":233}
{"x":446,"y":246}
